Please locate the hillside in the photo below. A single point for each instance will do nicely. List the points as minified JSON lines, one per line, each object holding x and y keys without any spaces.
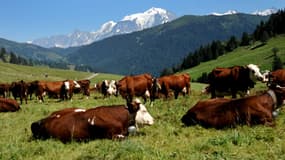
{"x":262,"y":56}
{"x":12,"y":72}
{"x":154,"y":49}
{"x":30,"y":51}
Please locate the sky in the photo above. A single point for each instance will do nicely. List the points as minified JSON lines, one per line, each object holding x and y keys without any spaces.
{"x":25,"y":20}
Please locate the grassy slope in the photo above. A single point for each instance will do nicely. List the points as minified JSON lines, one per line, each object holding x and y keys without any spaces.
{"x":261,"y":56}
{"x":166,"y":139}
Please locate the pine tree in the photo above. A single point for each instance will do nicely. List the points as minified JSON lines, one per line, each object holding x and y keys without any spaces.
{"x":277,"y":63}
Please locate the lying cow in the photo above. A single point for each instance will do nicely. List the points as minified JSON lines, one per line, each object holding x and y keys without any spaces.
{"x":8,"y":105}
{"x":176,"y":83}
{"x":233,"y":80}
{"x":110,"y":122}
{"x":220,"y":112}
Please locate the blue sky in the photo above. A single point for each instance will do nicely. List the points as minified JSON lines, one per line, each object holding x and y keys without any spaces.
{"x":23,"y":20}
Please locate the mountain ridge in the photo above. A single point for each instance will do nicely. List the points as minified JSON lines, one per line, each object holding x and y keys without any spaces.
{"x":130,"y":23}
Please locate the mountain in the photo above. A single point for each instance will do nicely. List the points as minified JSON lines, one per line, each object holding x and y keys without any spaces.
{"x":130,"y":23}
{"x":151,"y":50}
{"x":30,"y":51}
{"x":265,"y":12}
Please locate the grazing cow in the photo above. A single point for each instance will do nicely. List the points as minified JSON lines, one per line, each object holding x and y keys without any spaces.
{"x":138,"y":85}
{"x":176,"y":83}
{"x":108,"y":88}
{"x":57,"y":89}
{"x":84,"y":87}
{"x":276,"y":77}
{"x":220,"y":112}
{"x":4,"y":89}
{"x":32,"y":88}
{"x":8,"y":105}
{"x":233,"y":79}
{"x":19,"y":89}
{"x":110,"y":122}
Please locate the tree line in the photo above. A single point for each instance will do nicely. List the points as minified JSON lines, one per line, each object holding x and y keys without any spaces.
{"x":265,"y":30}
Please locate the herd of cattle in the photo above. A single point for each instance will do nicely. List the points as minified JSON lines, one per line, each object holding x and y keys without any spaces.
{"x":117,"y":121}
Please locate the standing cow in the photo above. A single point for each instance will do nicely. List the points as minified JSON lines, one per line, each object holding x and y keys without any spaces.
{"x":176,"y":83}
{"x":110,"y":122}
{"x":233,"y":80}
{"x":138,"y":85}
{"x":20,"y":89}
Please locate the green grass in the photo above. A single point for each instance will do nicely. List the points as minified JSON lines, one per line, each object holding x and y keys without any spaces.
{"x":166,"y":139}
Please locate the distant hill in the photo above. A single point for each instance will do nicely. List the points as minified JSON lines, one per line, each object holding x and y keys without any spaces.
{"x":30,"y":51}
{"x":154,"y":49}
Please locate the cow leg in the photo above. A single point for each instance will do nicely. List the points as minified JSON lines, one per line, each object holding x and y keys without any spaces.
{"x":176,"y":93}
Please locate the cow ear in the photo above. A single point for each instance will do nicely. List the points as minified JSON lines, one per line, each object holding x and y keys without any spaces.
{"x":133,"y":107}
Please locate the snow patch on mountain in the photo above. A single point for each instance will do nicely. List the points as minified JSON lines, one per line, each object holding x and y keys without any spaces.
{"x":229,"y":12}
{"x":130,"y":23}
{"x":265,"y":12}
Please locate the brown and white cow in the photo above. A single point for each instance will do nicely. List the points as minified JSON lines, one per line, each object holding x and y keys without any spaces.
{"x":276,"y":77}
{"x":108,"y":88}
{"x":233,"y":80}
{"x":135,"y":86}
{"x":110,"y":122}
{"x":57,"y":89}
{"x":8,"y":105}
{"x":220,"y":112}
{"x":176,"y":83}
{"x":84,"y":87}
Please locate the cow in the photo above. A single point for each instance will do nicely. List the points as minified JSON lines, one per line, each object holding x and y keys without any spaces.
{"x":19,"y":89}
{"x":176,"y":83}
{"x":222,"y":113}
{"x":111,"y":122}
{"x":84,"y":87}
{"x":57,"y":89}
{"x":108,"y":88}
{"x":233,"y":80}
{"x":5,"y":90}
{"x":137,"y":85}
{"x":276,"y":77}
{"x":9,"y":105}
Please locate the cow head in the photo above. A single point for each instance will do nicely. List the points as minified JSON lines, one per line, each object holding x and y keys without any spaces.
{"x":280,"y":93}
{"x":112,"y":88}
{"x":143,"y":117}
{"x":255,"y":73}
{"x":76,"y":84}
{"x":155,"y":88}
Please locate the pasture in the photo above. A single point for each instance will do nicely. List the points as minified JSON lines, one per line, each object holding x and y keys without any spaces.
{"x":166,"y":139}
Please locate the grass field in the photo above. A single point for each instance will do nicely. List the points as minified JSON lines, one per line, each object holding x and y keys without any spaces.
{"x":166,"y":139}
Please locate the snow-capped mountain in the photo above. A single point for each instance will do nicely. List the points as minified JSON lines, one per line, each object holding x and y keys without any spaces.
{"x":265,"y":12}
{"x":229,"y":12}
{"x":130,"y":23}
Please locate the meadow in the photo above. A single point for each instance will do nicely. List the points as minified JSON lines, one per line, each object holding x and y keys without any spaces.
{"x":166,"y":139}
